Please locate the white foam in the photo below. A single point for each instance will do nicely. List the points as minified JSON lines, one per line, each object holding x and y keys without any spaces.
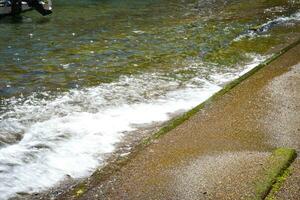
{"x":266,"y":26}
{"x":69,"y":135}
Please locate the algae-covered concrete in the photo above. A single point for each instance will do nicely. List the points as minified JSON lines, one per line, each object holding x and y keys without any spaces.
{"x":290,"y":188}
{"x":220,"y":151}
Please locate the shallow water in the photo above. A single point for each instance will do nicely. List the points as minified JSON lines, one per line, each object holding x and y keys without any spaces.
{"x":73,"y":84}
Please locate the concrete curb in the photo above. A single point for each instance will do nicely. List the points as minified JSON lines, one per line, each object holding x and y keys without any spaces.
{"x":278,"y":163}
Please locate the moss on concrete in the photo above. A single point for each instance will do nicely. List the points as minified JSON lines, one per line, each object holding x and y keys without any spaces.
{"x":279,"y":182}
{"x":274,"y":172}
{"x":79,"y":190}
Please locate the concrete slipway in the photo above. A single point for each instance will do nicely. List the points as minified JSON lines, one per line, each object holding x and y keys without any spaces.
{"x":220,"y":150}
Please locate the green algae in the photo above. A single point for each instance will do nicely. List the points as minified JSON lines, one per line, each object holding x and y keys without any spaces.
{"x":278,"y":184}
{"x":80,"y":190}
{"x":275,"y":169}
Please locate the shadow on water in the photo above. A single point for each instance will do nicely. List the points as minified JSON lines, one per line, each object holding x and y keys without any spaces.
{"x":20,"y":19}
{"x":12,"y":19}
{"x":43,"y":20}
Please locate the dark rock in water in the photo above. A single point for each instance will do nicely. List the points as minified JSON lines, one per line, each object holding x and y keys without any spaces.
{"x":255,"y":28}
{"x":264,"y":27}
{"x":68,"y":176}
{"x":10,"y":138}
{"x":23,"y":193}
{"x":41,"y":146}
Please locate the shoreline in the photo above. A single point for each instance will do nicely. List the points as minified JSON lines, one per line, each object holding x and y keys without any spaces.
{"x":115,"y":166}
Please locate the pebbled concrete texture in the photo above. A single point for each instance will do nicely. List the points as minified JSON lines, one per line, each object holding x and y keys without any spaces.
{"x":211,"y":176}
{"x":282,"y":103}
{"x":217,"y":153}
{"x":290,"y":190}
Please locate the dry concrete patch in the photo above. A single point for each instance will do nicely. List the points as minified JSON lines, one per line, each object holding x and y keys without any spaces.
{"x":218,"y":176}
{"x":283,"y":94}
{"x":230,"y":175}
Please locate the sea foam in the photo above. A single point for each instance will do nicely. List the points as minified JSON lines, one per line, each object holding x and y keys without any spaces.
{"x":69,"y":134}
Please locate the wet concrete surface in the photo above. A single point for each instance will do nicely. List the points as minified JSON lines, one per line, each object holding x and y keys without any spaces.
{"x":217,"y":152}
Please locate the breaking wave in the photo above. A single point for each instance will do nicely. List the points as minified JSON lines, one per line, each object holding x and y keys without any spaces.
{"x":46,"y":138}
{"x":258,"y":31}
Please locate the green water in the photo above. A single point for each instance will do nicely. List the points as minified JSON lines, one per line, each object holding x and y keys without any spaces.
{"x":86,"y":43}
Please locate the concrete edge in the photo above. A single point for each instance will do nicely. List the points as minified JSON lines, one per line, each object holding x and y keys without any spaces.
{"x":179,"y":120}
{"x":276,"y":168}
{"x":280,"y":180}
{"x":104,"y":173}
